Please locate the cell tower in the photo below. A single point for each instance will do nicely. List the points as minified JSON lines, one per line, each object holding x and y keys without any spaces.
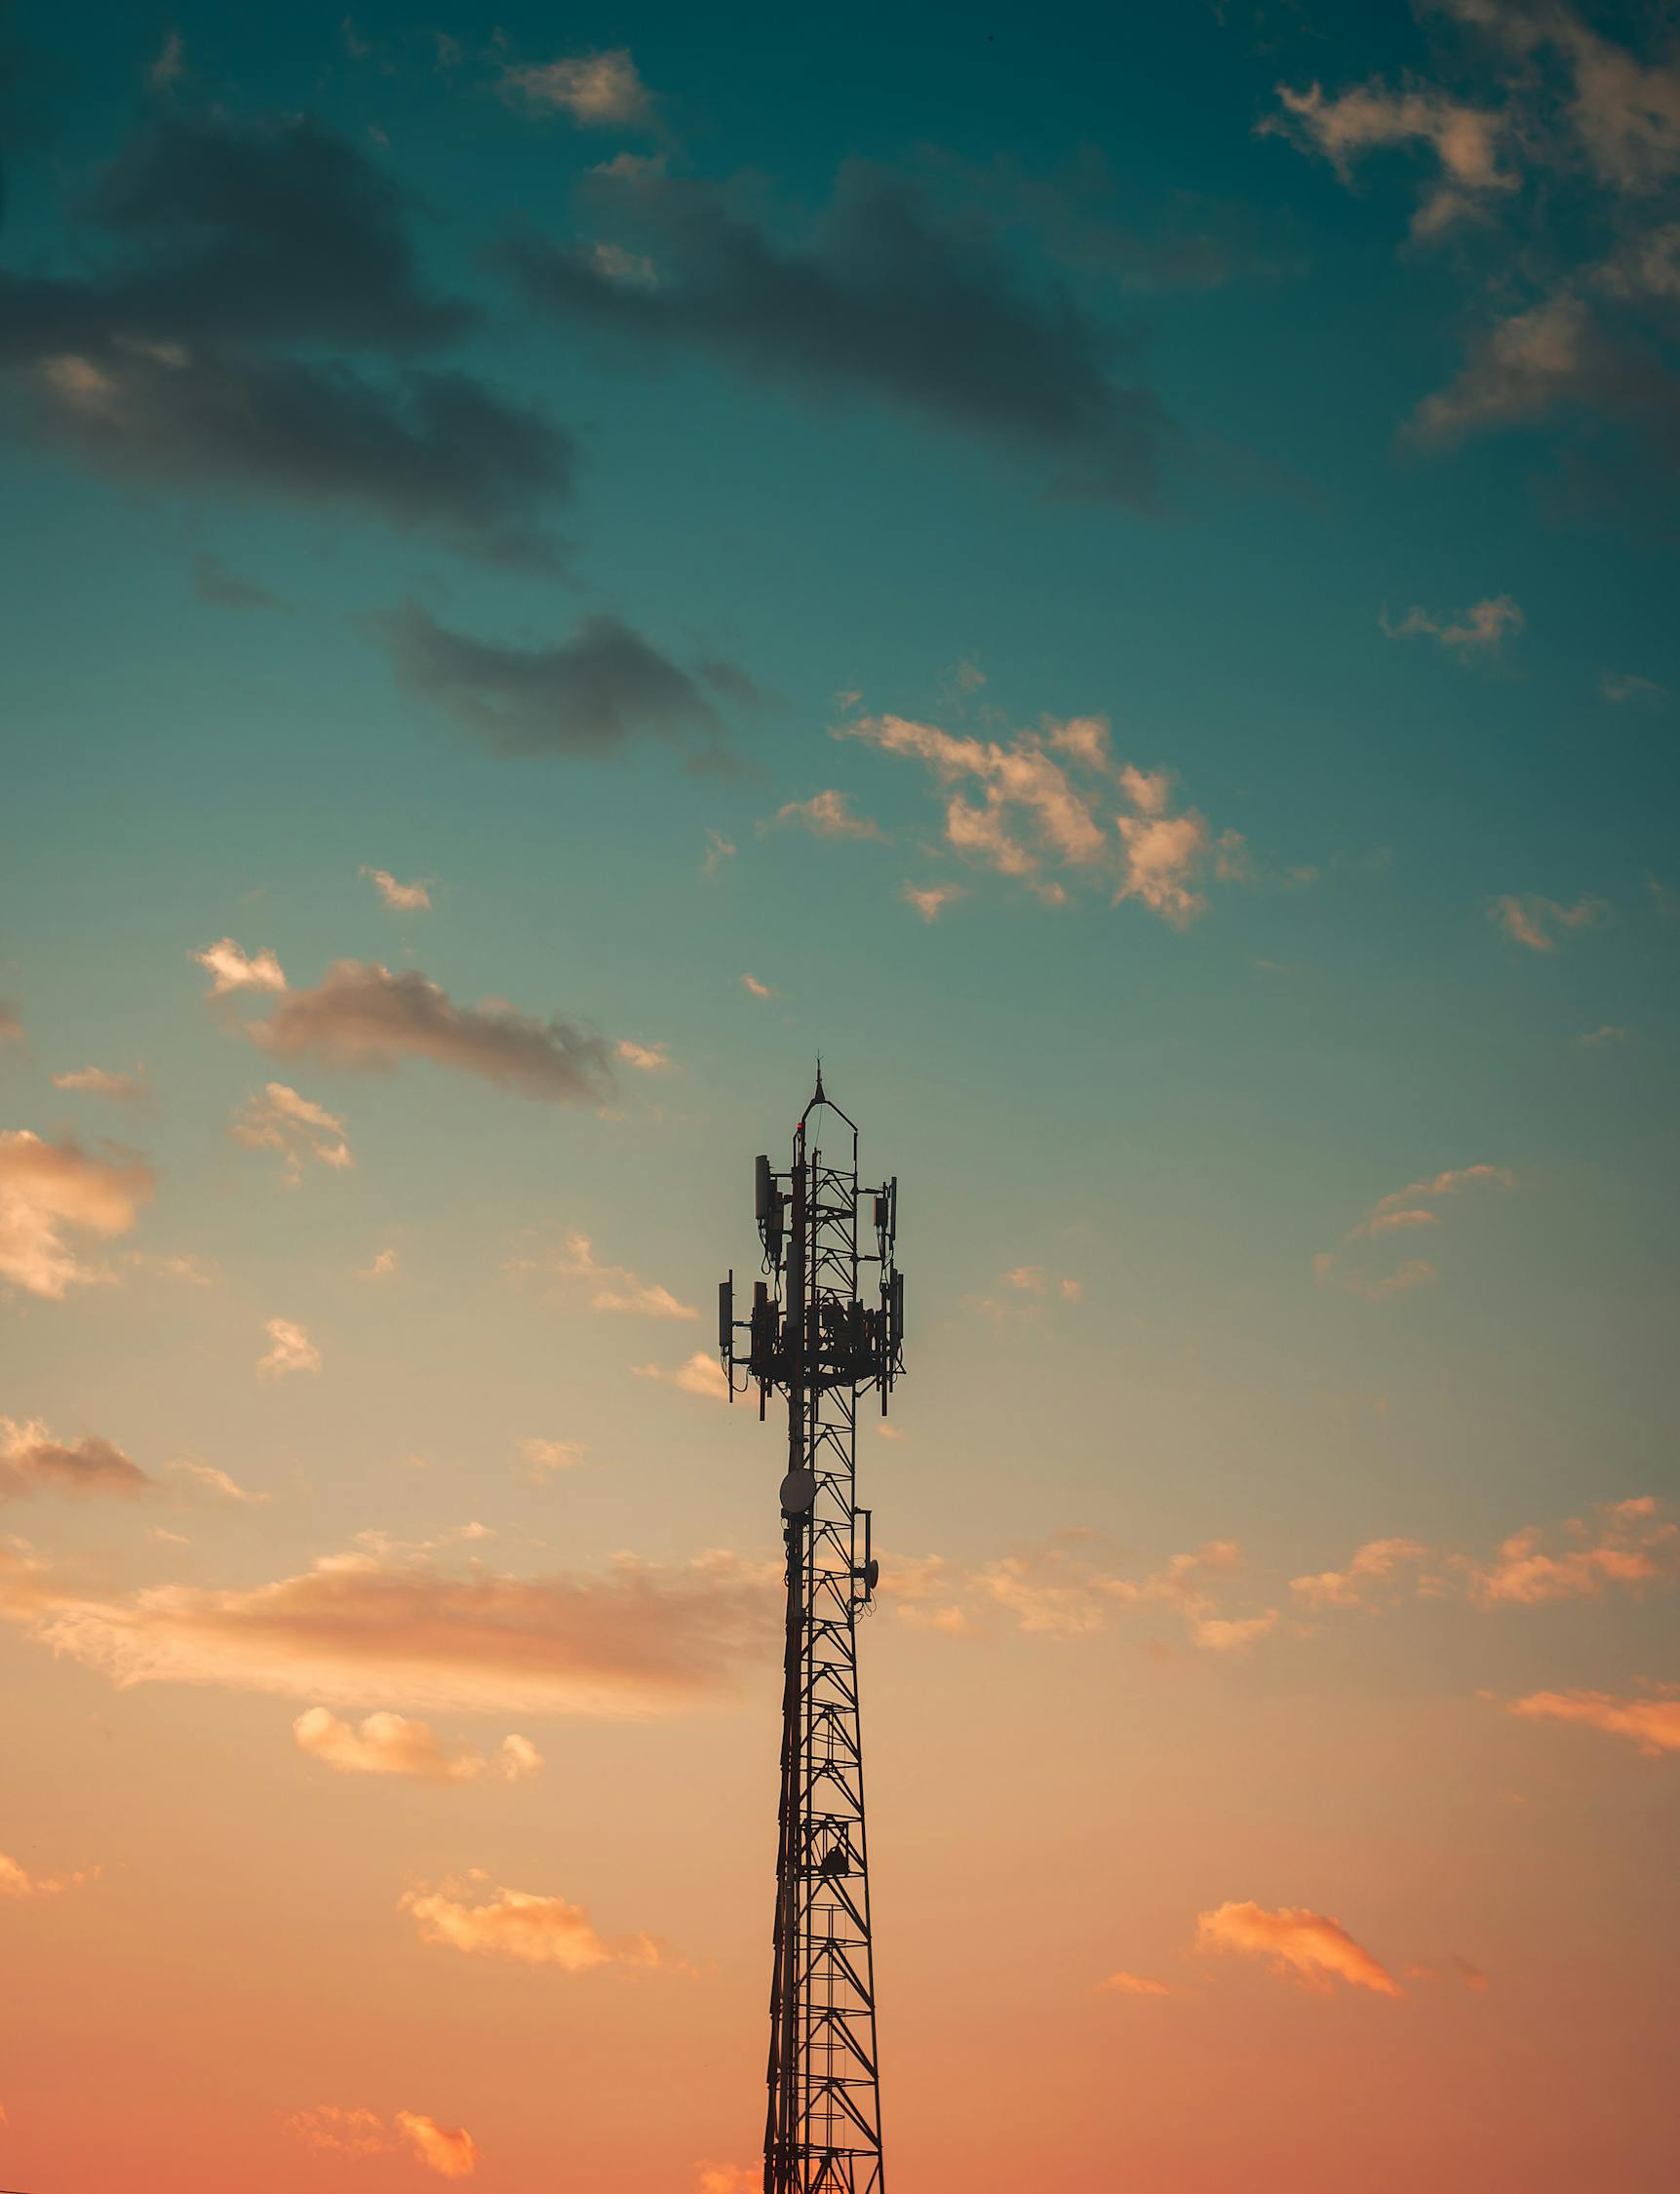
{"x":812,"y":1336}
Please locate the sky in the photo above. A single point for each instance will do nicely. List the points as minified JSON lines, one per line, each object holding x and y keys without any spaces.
{"x":1112,"y":575}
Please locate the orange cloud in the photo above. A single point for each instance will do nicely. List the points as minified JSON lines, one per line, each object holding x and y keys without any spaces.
{"x":388,"y":1743}
{"x":1063,"y":1586}
{"x":1308,"y":1946}
{"x":1135,"y":1984}
{"x":636,"y":1638}
{"x":47,"y":1189}
{"x":1449,"y":1969}
{"x":1035,"y":814}
{"x":1402,"y":1209}
{"x":728,"y":2178}
{"x":31,"y":1460}
{"x":535,"y":1930}
{"x":1652,"y":1723}
{"x":342,"y":2133}
{"x":449,"y":2151}
{"x":1370,"y":1567}
{"x":15,"y":1881}
{"x":1632,"y":1544}
{"x":826,"y":814}
{"x":1528,"y":920}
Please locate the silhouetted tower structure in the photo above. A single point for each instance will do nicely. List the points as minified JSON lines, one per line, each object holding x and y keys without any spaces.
{"x":812,"y":1336}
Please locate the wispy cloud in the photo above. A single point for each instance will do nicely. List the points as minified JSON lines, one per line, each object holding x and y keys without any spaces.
{"x":1480,"y":631}
{"x":1464,"y":141}
{"x":931,"y":900}
{"x":217,"y":1483}
{"x":381,"y":1627}
{"x":300,"y":1129}
{"x":130,"y":1088}
{"x":1073,"y":1585}
{"x":335,"y":2130}
{"x":1650,"y":1721}
{"x":546,"y":1459}
{"x":755,"y":989}
{"x":1302,"y":1945}
{"x":1528,"y":920}
{"x":826,"y":814}
{"x":1399,"y":1217}
{"x":1626,"y":1545}
{"x":1626,"y":686}
{"x":607,"y":1287}
{"x":1135,"y":1984}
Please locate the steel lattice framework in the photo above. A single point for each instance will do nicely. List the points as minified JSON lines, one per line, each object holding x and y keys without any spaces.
{"x":815,"y":1339}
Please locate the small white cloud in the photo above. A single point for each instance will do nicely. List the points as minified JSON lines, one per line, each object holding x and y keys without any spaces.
{"x":235,"y":969}
{"x":931,"y":900}
{"x":383,"y":1267}
{"x":598,"y":90}
{"x":752,"y":984}
{"x":94,"y":1081}
{"x":645,"y":1058}
{"x":291,"y":1350}
{"x":701,"y":1375}
{"x":826,"y":814}
{"x":403,"y":898}
{"x":547,"y":1458}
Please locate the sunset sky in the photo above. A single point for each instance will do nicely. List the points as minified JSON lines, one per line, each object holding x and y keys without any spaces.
{"x":1113,"y":573}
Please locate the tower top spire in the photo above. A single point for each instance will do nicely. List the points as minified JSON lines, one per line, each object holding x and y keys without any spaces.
{"x":819,"y":1096}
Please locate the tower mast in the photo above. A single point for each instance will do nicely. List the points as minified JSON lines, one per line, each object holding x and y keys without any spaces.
{"x":813,"y":1337}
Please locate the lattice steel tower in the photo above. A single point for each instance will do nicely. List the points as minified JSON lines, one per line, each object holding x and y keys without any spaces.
{"x":812,"y":1336}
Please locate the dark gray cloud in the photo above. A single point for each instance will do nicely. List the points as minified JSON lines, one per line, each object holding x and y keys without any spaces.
{"x":883,"y":298}
{"x":362,"y":1015}
{"x":589,"y":695}
{"x":213,"y":581}
{"x":230,"y":257}
{"x":1071,"y":214}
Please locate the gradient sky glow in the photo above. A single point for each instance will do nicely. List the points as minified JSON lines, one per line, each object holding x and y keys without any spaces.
{"x":1116,"y":580}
